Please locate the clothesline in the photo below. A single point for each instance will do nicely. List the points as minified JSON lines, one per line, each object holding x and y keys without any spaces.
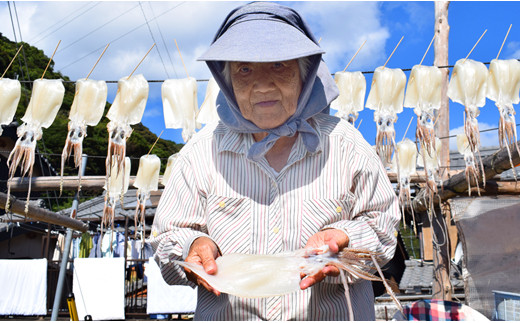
{"x":207,"y":80}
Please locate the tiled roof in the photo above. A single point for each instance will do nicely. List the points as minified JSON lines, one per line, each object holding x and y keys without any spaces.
{"x":418,"y":278}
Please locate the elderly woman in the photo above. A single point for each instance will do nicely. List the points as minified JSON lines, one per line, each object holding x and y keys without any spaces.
{"x":276,"y":174}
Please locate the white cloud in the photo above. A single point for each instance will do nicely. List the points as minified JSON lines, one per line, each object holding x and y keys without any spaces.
{"x":353,"y":23}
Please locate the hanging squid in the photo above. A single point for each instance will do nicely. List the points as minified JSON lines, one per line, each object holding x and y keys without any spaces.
{"x":116,"y":185}
{"x":46,"y":98}
{"x":431,"y":164}
{"x":386,"y":98}
{"x":503,"y":87}
{"x":471,"y":171}
{"x":468,"y":85}
{"x":406,"y":153}
{"x":127,"y":109}
{"x":146,"y":180}
{"x":352,"y":87}
{"x":208,"y":109}
{"x":10,"y":92}
{"x":180,"y":105}
{"x":423,"y":93}
{"x":86,"y":110}
{"x":168,"y":170}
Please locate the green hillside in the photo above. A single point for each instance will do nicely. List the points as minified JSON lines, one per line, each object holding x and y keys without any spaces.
{"x":30,"y":65}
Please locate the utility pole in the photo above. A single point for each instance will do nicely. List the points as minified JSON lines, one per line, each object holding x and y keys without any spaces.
{"x":441,"y":257}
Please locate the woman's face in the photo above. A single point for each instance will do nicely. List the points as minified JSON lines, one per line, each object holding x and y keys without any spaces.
{"x":267,"y":93}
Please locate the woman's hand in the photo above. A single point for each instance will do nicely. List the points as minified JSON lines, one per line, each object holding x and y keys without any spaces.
{"x":203,"y":251}
{"x":336,"y":240}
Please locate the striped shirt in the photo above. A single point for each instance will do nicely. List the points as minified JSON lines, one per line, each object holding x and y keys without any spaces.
{"x":246,"y":207}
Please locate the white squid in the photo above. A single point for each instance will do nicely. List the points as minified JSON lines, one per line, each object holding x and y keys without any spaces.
{"x":468,"y":86}
{"x":407,"y":155}
{"x":208,"y":109}
{"x":10,"y":92}
{"x":423,"y":93}
{"x":168,"y":170}
{"x":46,"y":99}
{"x":503,"y":87}
{"x":386,"y":98}
{"x":352,"y":88}
{"x":116,"y":185}
{"x":146,"y":180}
{"x":86,"y":110}
{"x":256,"y":276}
{"x":465,"y":150}
{"x":127,"y":109}
{"x":180,"y":105}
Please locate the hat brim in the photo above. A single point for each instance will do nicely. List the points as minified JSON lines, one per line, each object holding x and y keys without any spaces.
{"x":261,"y":40}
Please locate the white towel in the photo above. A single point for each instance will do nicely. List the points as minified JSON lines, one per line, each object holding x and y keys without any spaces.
{"x":99,"y":288}
{"x":23,"y":285}
{"x":164,"y":298}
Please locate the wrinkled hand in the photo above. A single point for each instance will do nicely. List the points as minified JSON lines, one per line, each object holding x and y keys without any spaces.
{"x":336,"y":240}
{"x":203,"y":251}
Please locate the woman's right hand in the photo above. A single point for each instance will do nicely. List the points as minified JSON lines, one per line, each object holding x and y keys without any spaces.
{"x":203,"y":251}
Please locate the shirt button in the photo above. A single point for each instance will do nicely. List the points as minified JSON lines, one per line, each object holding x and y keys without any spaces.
{"x":339,"y":209}
{"x":154,"y":233}
{"x":276,"y":229}
{"x":222,"y":204}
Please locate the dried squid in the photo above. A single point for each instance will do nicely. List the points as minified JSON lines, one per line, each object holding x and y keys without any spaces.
{"x":256,"y":276}
{"x":146,"y":180}
{"x":352,"y":87}
{"x":208,"y":109}
{"x":115,"y":187}
{"x":10,"y":92}
{"x":86,"y":110}
{"x":431,"y":164}
{"x":423,"y":93}
{"x":386,"y":98}
{"x":503,"y":87}
{"x":168,"y":170}
{"x":407,"y":152}
{"x":127,"y":109}
{"x":46,"y":99}
{"x":468,"y":86}
{"x":180,"y":105}
{"x":471,"y":171}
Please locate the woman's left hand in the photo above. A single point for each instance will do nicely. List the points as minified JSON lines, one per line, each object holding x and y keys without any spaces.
{"x":336,"y":240}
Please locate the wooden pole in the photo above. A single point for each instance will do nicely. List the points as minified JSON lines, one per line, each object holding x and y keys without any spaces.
{"x":39,"y":214}
{"x":441,"y":259}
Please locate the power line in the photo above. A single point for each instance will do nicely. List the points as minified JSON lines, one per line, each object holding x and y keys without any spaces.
{"x":96,"y":29}
{"x":153,"y":38}
{"x":66,"y":23}
{"x":59,"y":21}
{"x":164,"y":42}
{"x":123,"y":35}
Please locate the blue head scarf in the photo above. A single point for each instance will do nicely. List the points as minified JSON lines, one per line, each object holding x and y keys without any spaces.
{"x":269,"y":32}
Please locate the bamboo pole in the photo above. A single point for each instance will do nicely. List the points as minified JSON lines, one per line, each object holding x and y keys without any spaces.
{"x":393,"y":51}
{"x":93,"y":67}
{"x":50,"y":60}
{"x":511,"y":25}
{"x":39,"y":214}
{"x":178,"y":49}
{"x":141,"y":61}
{"x":10,"y":63}
{"x":354,"y":55}
{"x":475,"y":45}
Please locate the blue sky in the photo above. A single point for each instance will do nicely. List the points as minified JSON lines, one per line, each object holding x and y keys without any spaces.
{"x":132,"y":27}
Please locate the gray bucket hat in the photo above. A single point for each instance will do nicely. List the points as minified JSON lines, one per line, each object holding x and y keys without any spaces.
{"x":262,"y":32}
